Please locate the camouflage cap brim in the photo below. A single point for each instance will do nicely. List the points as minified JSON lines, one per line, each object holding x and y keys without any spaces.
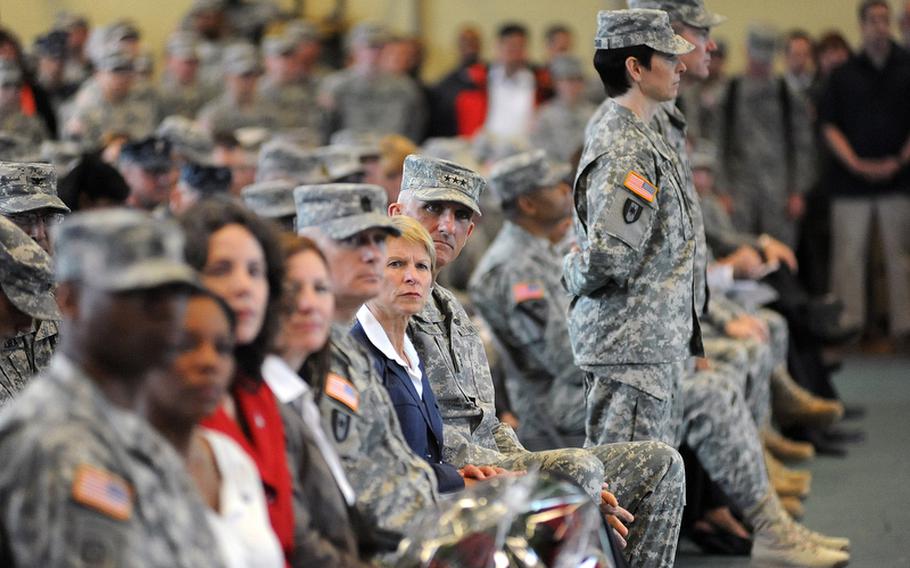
{"x":40,"y":306}
{"x":702,"y":19}
{"x":677,"y":45}
{"x":446,"y":194}
{"x":273,"y":211}
{"x":344,"y":227}
{"x":146,"y":275}
{"x":33,"y":202}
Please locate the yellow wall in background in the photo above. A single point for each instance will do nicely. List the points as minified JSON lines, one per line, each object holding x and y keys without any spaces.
{"x":442,"y":18}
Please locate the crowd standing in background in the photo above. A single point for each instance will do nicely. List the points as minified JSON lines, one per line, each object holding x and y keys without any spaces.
{"x":277,"y":306}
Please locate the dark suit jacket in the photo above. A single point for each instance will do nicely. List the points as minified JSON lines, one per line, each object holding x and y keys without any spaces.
{"x":421,"y":422}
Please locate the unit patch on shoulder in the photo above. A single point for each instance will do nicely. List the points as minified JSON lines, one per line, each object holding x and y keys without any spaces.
{"x":103,"y":491}
{"x":641,"y":187}
{"x":526,"y":291}
{"x":343,"y":391}
{"x":631,"y":211}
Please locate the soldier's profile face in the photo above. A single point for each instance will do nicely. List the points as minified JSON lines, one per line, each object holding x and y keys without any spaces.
{"x":697,"y":61}
{"x":356,"y":265}
{"x":661,"y":82}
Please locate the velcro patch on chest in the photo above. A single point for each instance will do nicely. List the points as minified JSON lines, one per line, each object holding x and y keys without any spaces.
{"x":103,"y":491}
{"x":342,"y":390}
{"x":637,"y":184}
{"x":527,"y":291}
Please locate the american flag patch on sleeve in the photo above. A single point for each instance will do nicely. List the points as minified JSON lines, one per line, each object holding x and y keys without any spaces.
{"x":640,"y":186}
{"x":526,"y":291}
{"x":342,"y":391}
{"x":103,"y":491}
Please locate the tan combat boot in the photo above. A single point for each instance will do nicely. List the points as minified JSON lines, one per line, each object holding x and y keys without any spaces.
{"x":792,"y":404}
{"x":832,"y":542}
{"x":787,"y":482}
{"x":777,"y":543}
{"x":784,"y":448}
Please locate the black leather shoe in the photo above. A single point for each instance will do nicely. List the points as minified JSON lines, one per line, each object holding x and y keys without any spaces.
{"x":721,"y":543}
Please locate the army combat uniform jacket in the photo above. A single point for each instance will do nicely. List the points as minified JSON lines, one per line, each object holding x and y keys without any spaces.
{"x":518,"y":290}
{"x":24,"y":356}
{"x":633,"y":277}
{"x":395,"y":488}
{"x":84,"y":483}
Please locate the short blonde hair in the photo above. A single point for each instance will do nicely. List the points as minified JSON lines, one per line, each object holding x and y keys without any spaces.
{"x":413,"y":233}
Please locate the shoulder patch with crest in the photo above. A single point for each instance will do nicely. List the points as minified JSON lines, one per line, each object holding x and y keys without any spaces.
{"x":342,"y":390}
{"x":527,"y":291}
{"x":103,"y":491}
{"x":637,"y":184}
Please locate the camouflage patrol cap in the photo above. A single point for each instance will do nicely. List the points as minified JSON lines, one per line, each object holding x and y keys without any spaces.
{"x":339,"y":161}
{"x":119,"y":250}
{"x":523,"y":173}
{"x":367,"y":33}
{"x":271,"y":199}
{"x":113,"y":57}
{"x":279,"y":45}
{"x":280,"y":159}
{"x":28,"y":186}
{"x":363,"y":143}
{"x":302,"y":30}
{"x":432,"y":179}
{"x":617,"y":29}
{"x":10,"y":74}
{"x":761,"y":42}
{"x":183,"y":45}
{"x":185,"y":138}
{"x":207,"y":179}
{"x":690,"y":12}
{"x":342,"y":210}
{"x":152,"y":153}
{"x":241,"y":59}
{"x":26,"y":273}
{"x":301,"y":136}
{"x":566,"y":67}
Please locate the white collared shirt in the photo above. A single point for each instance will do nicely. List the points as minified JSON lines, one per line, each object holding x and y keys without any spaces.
{"x":511,"y":102}
{"x":377,"y":336}
{"x":289,"y":387}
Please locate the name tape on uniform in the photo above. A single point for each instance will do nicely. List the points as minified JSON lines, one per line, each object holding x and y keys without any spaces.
{"x":640,"y":186}
{"x":342,"y":391}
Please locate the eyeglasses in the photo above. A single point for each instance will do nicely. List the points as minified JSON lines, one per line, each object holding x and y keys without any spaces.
{"x":29,"y":219}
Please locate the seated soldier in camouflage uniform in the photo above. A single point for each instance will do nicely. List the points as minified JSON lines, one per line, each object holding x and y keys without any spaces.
{"x":28,"y":198}
{"x":285,"y":86}
{"x":181,"y":90}
{"x":239,"y":106}
{"x":12,"y":120}
{"x":395,"y":488}
{"x":110,"y":104}
{"x":646,"y":477}
{"x":85,"y":480}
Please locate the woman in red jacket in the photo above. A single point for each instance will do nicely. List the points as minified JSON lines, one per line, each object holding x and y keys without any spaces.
{"x":239,"y":258}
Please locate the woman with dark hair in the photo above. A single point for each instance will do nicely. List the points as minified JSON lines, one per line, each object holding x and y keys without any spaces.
{"x":239,"y":259}
{"x":227,"y":479}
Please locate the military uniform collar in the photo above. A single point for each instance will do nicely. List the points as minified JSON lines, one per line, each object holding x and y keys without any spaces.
{"x":517,"y":233}
{"x":431,"y":312}
{"x":675,"y":115}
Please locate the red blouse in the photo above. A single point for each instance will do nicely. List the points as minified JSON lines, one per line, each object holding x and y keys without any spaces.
{"x":266,"y":446}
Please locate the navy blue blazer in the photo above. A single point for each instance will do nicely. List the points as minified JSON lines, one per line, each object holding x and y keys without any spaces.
{"x":421,"y":422}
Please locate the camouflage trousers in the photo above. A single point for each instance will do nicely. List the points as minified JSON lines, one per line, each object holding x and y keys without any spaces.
{"x":718,"y":427}
{"x":617,"y":411}
{"x":749,"y":364}
{"x":647,"y":478}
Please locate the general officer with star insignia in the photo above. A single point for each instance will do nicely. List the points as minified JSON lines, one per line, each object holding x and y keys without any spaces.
{"x":632,"y":318}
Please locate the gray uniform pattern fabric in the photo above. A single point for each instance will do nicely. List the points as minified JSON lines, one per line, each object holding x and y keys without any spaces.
{"x":24,"y":356}
{"x":62,"y":432}
{"x":559,"y":128}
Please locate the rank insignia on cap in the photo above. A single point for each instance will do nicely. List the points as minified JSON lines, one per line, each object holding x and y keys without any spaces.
{"x":103,"y":491}
{"x":342,"y":391}
{"x":640,"y":186}
{"x":527,"y":291}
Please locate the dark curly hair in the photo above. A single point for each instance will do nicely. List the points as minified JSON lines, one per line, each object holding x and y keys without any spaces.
{"x":207,"y":217}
